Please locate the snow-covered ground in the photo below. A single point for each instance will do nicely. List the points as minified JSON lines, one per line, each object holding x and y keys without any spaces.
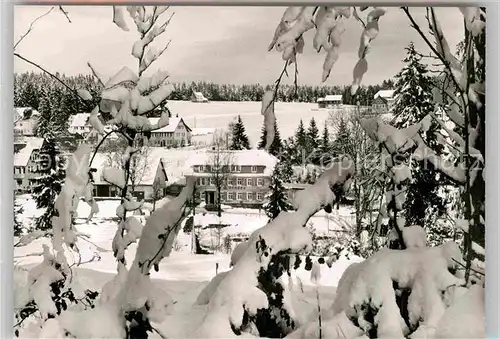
{"x":217,"y":115}
{"x":182,"y":275}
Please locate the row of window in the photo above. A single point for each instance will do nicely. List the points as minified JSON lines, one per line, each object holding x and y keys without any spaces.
{"x":230,"y":182}
{"x":238,"y":196}
{"x":212,"y":168}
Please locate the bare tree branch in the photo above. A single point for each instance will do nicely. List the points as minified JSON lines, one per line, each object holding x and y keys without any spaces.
{"x":31,"y":27}
{"x":66,"y":14}
{"x":75,"y":92}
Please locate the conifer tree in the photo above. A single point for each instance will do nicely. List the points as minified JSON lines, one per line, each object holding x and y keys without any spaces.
{"x":325,"y":146}
{"x":414,"y":100}
{"x":276,"y":199}
{"x":300,"y":145}
{"x":313,"y":141}
{"x":276,"y":146}
{"x":18,"y":225}
{"x":341,"y":142}
{"x":239,"y":139}
{"x":50,"y":166}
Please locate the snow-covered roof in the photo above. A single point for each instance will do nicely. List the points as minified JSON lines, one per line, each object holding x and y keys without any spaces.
{"x":19,"y":113}
{"x":385,"y":93}
{"x":173,"y":162}
{"x":320,"y":100}
{"x":172,"y":125}
{"x":79,"y":119}
{"x":23,"y":155}
{"x":333,"y":97}
{"x":251,"y":157}
{"x":199,"y":95}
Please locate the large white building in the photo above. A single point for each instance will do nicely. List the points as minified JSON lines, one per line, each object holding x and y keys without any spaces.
{"x":176,"y":134}
{"x":247,"y":176}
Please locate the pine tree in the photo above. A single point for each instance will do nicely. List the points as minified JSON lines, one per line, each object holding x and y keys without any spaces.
{"x":239,"y":139}
{"x":313,"y":141}
{"x":18,"y":225}
{"x":276,"y":199}
{"x":276,"y":146}
{"x":48,"y":184}
{"x":414,"y":101}
{"x":341,"y":141}
{"x":325,"y":147}
{"x":300,"y":145}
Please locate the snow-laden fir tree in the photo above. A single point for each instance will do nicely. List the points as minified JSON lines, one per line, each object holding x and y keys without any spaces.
{"x":313,"y":141}
{"x":276,"y":146}
{"x":341,"y":142}
{"x":414,"y":100}
{"x":276,"y":200}
{"x":239,"y":138}
{"x":299,"y":145}
{"x":18,"y":225}
{"x":325,"y":147}
{"x":48,"y":184}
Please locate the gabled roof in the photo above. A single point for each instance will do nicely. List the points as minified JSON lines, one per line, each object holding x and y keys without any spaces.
{"x":199,"y":95}
{"x":23,"y":154}
{"x":385,"y":93}
{"x":20,"y":113}
{"x":172,"y":125}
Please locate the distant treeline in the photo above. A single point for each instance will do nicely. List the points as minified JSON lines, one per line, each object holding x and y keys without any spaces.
{"x":31,"y":89}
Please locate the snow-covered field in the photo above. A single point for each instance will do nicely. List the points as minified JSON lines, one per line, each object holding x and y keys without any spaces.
{"x":217,"y":115}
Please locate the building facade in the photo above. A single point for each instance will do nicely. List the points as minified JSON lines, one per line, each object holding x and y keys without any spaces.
{"x":25,"y":121}
{"x":330,"y":101}
{"x":176,"y":134}
{"x":245,"y":177}
{"x":383,"y":101}
{"x":26,"y":162}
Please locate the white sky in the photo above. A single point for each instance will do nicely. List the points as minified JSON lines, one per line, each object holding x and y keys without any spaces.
{"x":218,"y":44}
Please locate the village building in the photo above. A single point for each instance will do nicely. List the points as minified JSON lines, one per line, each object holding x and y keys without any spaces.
{"x":383,"y":101}
{"x":26,"y":162}
{"x":330,"y":101}
{"x":176,"y":134}
{"x":198,"y":97}
{"x":25,"y":122}
{"x":247,"y":175}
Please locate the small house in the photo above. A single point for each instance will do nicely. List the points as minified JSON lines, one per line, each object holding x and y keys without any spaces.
{"x":383,"y":101}
{"x":330,"y":101}
{"x":198,"y":97}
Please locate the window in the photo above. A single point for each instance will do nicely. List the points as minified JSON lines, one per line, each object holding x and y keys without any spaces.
{"x":212,"y":181}
{"x":202,"y":196}
{"x":201,"y":168}
{"x":230,"y":182}
{"x":260,"y":196}
{"x":249,"y":196}
{"x":230,"y":196}
{"x":260,"y":182}
{"x":240,"y":181}
{"x":240,"y":195}
{"x":195,"y":169}
{"x":254,"y":169}
{"x":249,"y":181}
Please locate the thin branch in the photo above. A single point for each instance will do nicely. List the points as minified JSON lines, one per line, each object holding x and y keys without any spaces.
{"x":94,"y":73}
{"x":31,"y":27}
{"x":75,"y":92}
{"x":277,"y":84}
{"x":66,"y":14}
{"x":295,"y":81}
